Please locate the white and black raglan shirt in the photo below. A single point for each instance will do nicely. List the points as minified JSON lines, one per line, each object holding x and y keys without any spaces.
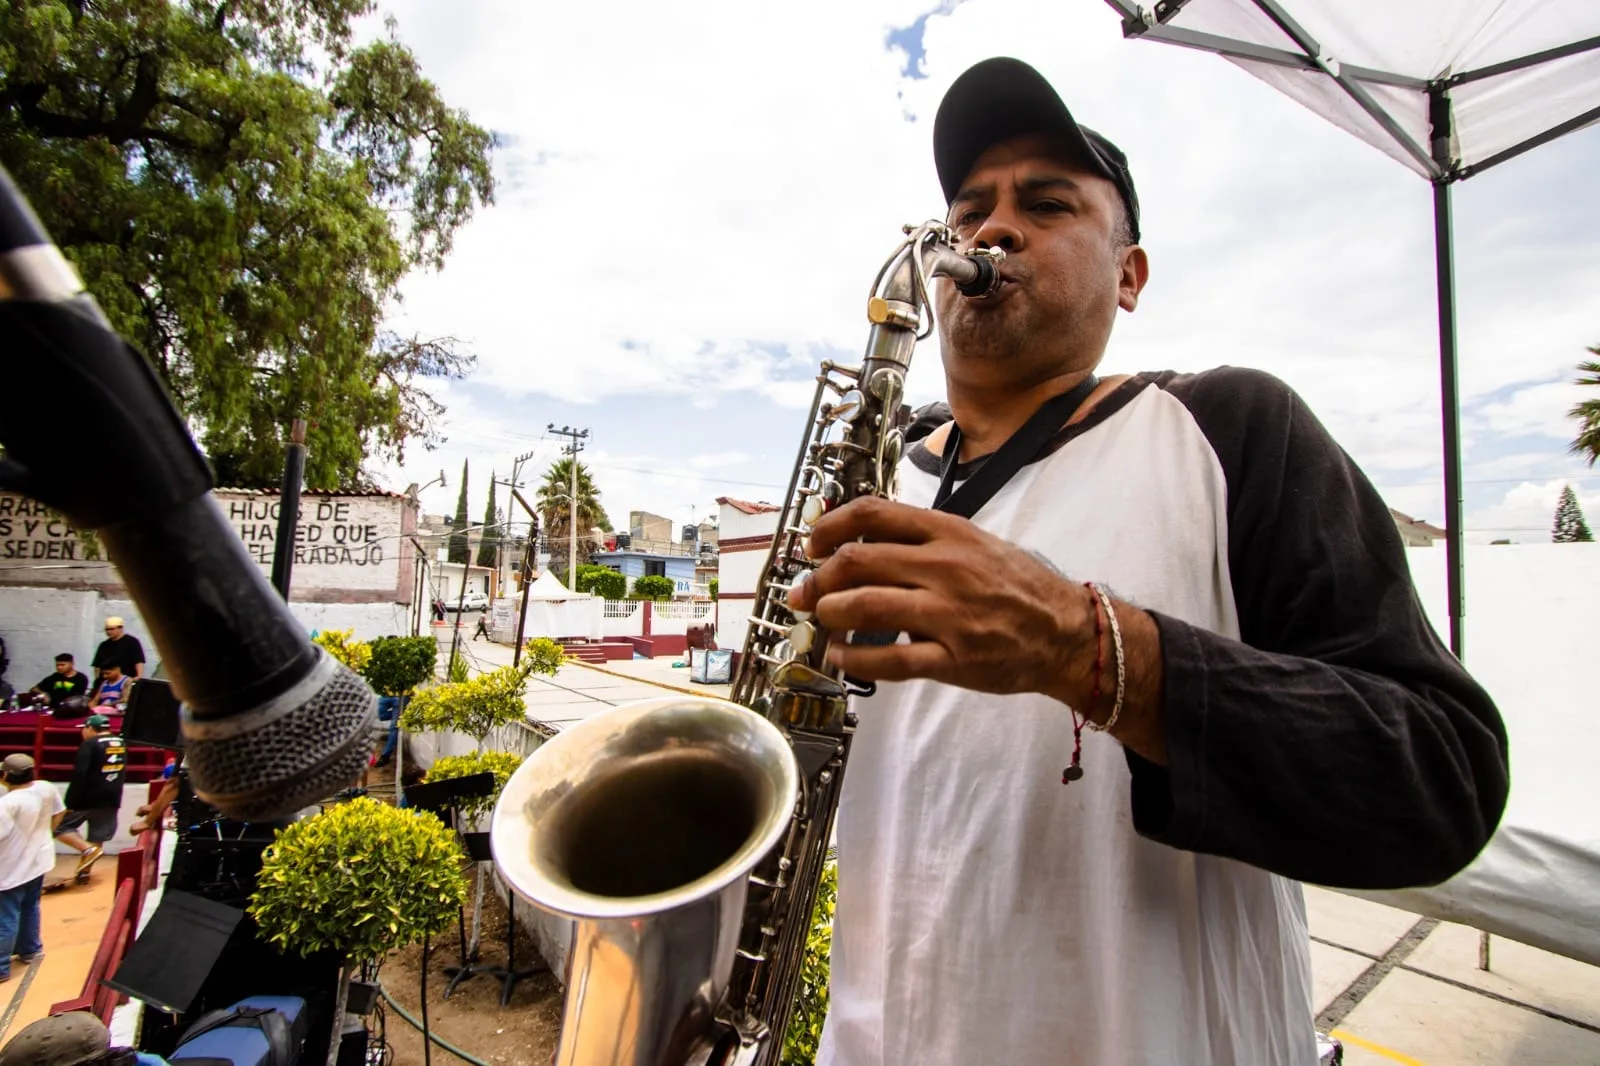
{"x":1317,"y":730}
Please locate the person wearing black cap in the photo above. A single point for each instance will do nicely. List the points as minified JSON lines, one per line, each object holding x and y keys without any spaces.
{"x":1186,"y":563}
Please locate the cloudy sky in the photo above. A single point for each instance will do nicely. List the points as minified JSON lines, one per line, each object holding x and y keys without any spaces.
{"x":694,"y":199}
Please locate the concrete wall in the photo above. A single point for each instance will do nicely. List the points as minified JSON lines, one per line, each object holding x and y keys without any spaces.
{"x":56,"y":620}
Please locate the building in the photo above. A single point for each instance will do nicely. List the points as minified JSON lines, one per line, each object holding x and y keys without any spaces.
{"x":679,"y":566}
{"x":1414,"y":532}
{"x":355,"y":567}
{"x":744,"y":539}
{"x":650,"y":532}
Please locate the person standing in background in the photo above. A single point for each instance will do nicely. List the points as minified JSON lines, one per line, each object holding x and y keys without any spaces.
{"x":95,"y":794}
{"x":117,"y":649}
{"x":29,"y":811}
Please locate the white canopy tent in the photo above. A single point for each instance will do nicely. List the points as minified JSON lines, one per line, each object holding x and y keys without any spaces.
{"x":555,"y":611}
{"x":1450,"y":88}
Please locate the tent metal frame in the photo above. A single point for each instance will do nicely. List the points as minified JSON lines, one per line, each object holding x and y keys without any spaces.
{"x":1438,"y":160}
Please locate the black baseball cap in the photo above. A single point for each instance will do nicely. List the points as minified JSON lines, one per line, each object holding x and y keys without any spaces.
{"x":1001,"y":98}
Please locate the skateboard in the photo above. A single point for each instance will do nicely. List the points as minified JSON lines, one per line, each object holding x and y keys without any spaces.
{"x":80,"y":877}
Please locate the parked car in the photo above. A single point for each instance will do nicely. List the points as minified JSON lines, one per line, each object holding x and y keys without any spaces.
{"x":472,"y":601}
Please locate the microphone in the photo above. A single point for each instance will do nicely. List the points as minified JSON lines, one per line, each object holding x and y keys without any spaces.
{"x":271,"y":722}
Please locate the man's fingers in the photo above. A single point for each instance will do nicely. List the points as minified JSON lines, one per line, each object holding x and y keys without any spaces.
{"x":878,"y":609}
{"x":856,"y":564}
{"x":897,"y":662}
{"x":876,"y":519}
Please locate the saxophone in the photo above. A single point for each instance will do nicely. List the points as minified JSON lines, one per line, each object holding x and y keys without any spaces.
{"x":686,"y":836}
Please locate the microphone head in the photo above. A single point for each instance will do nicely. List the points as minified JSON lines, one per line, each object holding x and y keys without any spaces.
{"x":267,"y":763}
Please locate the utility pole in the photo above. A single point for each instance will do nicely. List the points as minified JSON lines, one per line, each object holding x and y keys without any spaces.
{"x":294,"y":468}
{"x":573,"y":435}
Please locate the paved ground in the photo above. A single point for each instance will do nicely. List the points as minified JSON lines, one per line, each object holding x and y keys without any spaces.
{"x":580,"y":690}
{"x":1432,"y":1005}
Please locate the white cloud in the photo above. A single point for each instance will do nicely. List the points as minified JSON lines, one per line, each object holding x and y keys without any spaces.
{"x":695,"y":199}
{"x":1527,"y":512}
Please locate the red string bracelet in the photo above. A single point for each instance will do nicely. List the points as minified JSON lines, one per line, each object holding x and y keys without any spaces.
{"x":1075,"y":771}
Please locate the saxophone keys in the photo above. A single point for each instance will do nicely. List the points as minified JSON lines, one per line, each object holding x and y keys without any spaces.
{"x":802,"y":635}
{"x":849,"y":407}
{"x":812,"y":510}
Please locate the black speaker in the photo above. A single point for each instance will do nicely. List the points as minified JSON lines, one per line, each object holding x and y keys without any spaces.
{"x":175,"y":954}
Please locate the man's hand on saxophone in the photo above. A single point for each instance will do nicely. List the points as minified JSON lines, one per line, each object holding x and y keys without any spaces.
{"x":982,"y":614}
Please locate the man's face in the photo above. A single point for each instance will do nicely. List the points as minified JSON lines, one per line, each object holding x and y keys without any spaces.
{"x":1067,"y":267}
{"x":63,"y":668}
{"x":113,"y":632}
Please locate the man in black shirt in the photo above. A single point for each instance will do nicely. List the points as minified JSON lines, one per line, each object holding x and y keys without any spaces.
{"x":118,"y":648}
{"x":95,"y":793}
{"x":67,"y":681}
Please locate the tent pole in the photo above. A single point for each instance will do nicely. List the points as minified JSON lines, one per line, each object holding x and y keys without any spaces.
{"x":1450,"y":403}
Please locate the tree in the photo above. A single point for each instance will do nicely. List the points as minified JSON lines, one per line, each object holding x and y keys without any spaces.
{"x":489,"y":538}
{"x":243,"y":192}
{"x":555,"y":510}
{"x":602,"y":581}
{"x":1587,"y":412}
{"x":1570,"y":528}
{"x":653,"y":587}
{"x":460,"y":550}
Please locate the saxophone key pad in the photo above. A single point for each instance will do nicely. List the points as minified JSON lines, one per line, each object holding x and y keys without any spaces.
{"x":802,"y":635}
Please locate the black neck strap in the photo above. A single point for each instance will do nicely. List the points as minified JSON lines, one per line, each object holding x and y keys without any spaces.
{"x":1001,"y":466}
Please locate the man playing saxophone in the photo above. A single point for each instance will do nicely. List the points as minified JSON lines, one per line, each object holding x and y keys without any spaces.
{"x":1188,"y":565}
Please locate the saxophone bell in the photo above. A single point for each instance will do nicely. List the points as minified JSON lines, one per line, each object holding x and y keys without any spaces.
{"x":643,"y":824}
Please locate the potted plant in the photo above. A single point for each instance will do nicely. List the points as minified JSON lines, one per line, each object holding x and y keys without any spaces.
{"x":395,"y":668}
{"x":359,"y":879}
{"x":480,"y":704}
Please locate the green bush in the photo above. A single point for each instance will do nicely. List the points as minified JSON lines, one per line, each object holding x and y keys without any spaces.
{"x":712,"y":584}
{"x":400,"y":665}
{"x":602,"y":581}
{"x":653,"y":587}
{"x":336,"y":642}
{"x":500,"y":763}
{"x":543,"y":655}
{"x":479,"y":704}
{"x":359,"y":879}
{"x":811,"y":1001}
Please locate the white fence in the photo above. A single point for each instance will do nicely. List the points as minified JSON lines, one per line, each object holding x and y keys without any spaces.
{"x":626,"y":618}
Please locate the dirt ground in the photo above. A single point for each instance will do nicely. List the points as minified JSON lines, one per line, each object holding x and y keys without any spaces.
{"x":522,"y":1033}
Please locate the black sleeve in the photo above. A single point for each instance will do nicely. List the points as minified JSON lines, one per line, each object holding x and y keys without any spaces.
{"x":101,"y":658}
{"x":136,"y":655}
{"x":80,"y":683}
{"x":1338,"y":741}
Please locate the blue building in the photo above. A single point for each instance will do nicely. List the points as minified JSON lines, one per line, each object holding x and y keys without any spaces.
{"x":635,"y":564}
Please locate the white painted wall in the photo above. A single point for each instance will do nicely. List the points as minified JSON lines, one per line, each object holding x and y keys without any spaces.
{"x":40,"y":623}
{"x":739,"y":570}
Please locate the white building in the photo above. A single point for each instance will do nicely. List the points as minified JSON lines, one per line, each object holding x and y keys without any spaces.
{"x":355,"y":568}
{"x":744,"y":539}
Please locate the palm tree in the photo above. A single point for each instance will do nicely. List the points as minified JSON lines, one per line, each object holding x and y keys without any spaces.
{"x":555,"y":509}
{"x":1587,"y":412}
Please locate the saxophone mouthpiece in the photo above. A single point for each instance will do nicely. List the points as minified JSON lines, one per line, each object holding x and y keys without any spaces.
{"x":976,"y":274}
